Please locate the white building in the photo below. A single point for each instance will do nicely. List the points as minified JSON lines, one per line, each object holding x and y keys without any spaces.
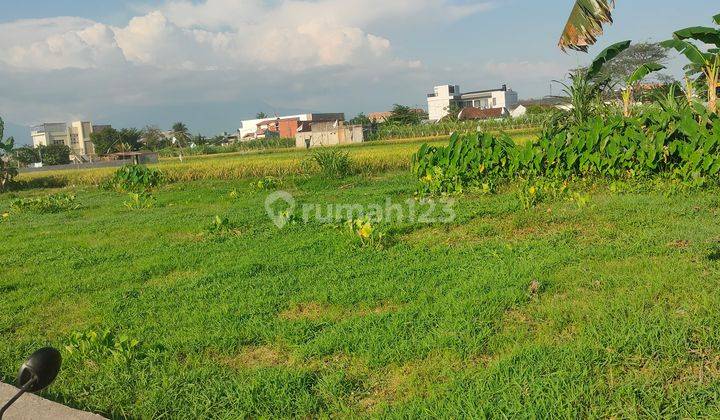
{"x":75,"y":135}
{"x":446,"y":97}
{"x":248,"y":127}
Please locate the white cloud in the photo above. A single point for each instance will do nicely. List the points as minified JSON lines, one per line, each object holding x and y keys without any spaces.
{"x":223,"y":34}
{"x":298,"y":54}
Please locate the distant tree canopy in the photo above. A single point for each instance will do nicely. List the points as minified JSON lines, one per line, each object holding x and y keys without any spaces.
{"x":26,"y":155}
{"x":54,"y":154}
{"x":110,"y":140}
{"x":360,"y":119}
{"x":619,"y":69}
{"x":154,"y":138}
{"x":404,"y":115}
{"x":181,"y":133}
{"x":261,"y":115}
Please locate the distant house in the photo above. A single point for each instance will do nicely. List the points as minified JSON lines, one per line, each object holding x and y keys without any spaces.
{"x":285,"y":126}
{"x":471,"y":113}
{"x":446,"y":97}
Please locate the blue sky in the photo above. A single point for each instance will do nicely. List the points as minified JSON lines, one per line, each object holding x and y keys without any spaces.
{"x":213,"y":63}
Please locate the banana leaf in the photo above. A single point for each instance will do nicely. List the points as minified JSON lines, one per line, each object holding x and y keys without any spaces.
{"x":643,"y":71}
{"x":689,"y":50}
{"x":585,"y":24}
{"x":700,"y":33}
{"x":605,"y":56}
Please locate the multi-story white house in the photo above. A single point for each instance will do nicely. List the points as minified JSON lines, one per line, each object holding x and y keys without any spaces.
{"x":446,"y":97}
{"x":75,"y":135}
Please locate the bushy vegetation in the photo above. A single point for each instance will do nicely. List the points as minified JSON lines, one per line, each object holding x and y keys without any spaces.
{"x":51,"y":203}
{"x":681,"y":145}
{"x":244,"y":146}
{"x":8,"y":168}
{"x":674,"y":139}
{"x":135,"y":179}
{"x":445,"y":128}
{"x":332,"y":162}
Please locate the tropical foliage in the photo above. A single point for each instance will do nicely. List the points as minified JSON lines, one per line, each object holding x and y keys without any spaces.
{"x":704,"y":63}
{"x":135,"y":179}
{"x":585,"y":24}
{"x":8,"y":168}
{"x":681,"y":146}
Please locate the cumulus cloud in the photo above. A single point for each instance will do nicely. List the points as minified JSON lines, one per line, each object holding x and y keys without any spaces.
{"x":286,"y":54}
{"x":221,"y":34}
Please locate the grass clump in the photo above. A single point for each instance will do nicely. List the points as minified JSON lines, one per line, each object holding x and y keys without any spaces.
{"x":266,"y":183}
{"x":51,"y":203}
{"x":331,"y":162}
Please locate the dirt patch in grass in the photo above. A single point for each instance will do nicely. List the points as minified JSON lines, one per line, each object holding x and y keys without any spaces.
{"x":483,"y":229}
{"x":254,"y":357}
{"x":314,"y":311}
{"x":174,"y":277}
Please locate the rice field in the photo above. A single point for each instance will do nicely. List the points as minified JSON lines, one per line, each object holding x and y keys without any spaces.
{"x":370,"y":157}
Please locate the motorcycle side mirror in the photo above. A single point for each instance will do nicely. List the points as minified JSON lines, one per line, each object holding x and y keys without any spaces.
{"x":40,"y":370}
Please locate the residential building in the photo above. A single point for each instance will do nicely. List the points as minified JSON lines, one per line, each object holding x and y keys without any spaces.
{"x":75,"y":135}
{"x":446,"y":97}
{"x":284,"y":125}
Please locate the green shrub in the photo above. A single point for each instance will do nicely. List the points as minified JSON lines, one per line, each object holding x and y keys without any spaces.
{"x":369,"y":233}
{"x":96,"y":346}
{"x":331,"y":162}
{"x":52,"y":203}
{"x":140,"y":201}
{"x":685,"y":145}
{"x":267,"y":183}
{"x":135,"y":178}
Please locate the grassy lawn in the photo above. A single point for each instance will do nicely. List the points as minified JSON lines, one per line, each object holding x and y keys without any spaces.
{"x":609,"y":310}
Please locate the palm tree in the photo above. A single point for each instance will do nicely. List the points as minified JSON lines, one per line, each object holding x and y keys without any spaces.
{"x":586,"y":24}
{"x":181,"y":133}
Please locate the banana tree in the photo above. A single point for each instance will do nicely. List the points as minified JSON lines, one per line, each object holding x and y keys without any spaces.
{"x":707,"y":63}
{"x":638,"y":75}
{"x":585,"y":24}
{"x":584,"y":92}
{"x":7,"y":169}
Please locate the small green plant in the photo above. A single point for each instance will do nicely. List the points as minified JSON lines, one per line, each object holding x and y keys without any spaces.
{"x":93,"y":345}
{"x":140,"y":201}
{"x":52,"y":203}
{"x":220,"y":226}
{"x":135,"y":178}
{"x":532,"y":193}
{"x":267,"y":183}
{"x":369,"y":234}
{"x":331,"y":162}
{"x":581,"y":200}
{"x":233,"y":194}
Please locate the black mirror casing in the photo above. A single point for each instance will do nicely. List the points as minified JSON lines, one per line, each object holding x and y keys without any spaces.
{"x":43,"y":366}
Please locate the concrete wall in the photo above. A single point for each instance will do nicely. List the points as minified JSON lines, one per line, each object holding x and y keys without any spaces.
{"x":325,"y":134}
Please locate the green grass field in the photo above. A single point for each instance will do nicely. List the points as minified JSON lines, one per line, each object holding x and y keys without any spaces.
{"x":561,"y":311}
